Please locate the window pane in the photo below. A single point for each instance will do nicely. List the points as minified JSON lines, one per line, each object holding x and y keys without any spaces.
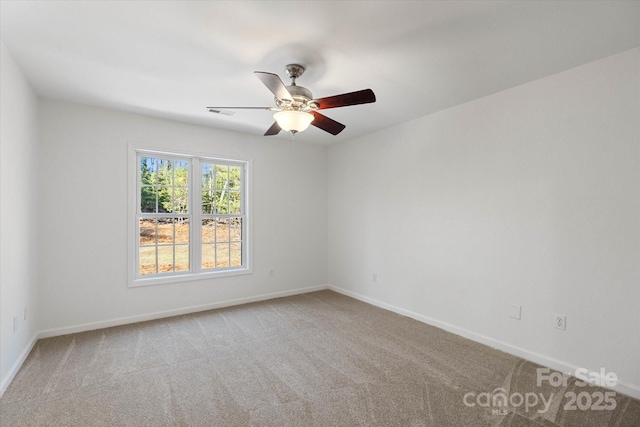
{"x":148,"y":169}
{"x":164,"y":172}
{"x":222,"y":230}
{"x":165,"y":195}
{"x":148,"y":199}
{"x":222,"y":255}
{"x":182,"y":258}
{"x":208,"y":256}
{"x":180,"y":173}
{"x":236,"y":254}
{"x":208,"y":230}
{"x":236,"y":229}
{"x":222,"y":202}
{"x":181,"y":229}
{"x":147,"y":232}
{"x":234,"y":202}
{"x":234,"y":177}
{"x":180,"y":200}
{"x":207,"y":201}
{"x":222,"y":177}
{"x":165,"y":259}
{"x":165,"y":230}
{"x":147,"y":260}
{"x":208,"y":188}
{"x":208,"y":174}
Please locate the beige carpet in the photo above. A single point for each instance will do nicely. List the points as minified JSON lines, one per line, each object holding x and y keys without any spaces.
{"x":319,"y":359}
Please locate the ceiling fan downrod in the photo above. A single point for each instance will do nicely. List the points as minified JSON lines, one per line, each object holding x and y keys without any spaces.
{"x":294,"y":71}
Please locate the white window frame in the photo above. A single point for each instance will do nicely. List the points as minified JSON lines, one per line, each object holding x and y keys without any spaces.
{"x":195,"y":271}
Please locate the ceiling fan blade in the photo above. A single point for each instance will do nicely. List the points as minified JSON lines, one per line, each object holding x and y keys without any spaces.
{"x":274,"y":84}
{"x":327,"y":124}
{"x":225,"y":111}
{"x":352,"y":98}
{"x":240,"y":108}
{"x":273,"y":130}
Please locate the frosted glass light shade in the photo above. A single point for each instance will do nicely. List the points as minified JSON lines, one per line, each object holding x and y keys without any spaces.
{"x":293,"y":121}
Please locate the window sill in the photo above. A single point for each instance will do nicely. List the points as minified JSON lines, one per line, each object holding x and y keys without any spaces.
{"x":187,"y":277}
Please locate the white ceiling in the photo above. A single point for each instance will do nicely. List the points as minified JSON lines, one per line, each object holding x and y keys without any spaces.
{"x":173,"y":58}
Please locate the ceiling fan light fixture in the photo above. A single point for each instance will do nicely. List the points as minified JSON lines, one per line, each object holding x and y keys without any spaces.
{"x":293,"y":121}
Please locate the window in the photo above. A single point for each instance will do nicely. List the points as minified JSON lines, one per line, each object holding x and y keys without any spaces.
{"x":191,"y":217}
{"x":221,"y":215}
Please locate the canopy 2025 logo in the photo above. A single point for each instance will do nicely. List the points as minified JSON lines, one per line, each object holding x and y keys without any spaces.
{"x":500,"y":401}
{"x":596,"y":400}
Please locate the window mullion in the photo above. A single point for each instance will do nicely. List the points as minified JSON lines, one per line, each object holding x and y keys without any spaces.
{"x":195,"y":196}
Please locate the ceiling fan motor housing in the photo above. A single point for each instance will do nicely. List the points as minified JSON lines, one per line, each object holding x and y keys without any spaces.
{"x":301,"y":95}
{"x":301,"y":99}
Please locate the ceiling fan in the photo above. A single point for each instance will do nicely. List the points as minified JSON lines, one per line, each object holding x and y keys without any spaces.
{"x":296,"y":108}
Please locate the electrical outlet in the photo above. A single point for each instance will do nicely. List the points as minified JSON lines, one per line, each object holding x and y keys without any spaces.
{"x":560,"y":321}
{"x":515,"y":311}
{"x":272,"y":273}
{"x":375,"y":277}
{"x":15,"y":324}
{"x":26,"y":312}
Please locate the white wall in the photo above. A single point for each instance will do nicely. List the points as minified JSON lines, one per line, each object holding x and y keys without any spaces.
{"x":84,"y":217}
{"x":18,"y":216}
{"x":529,"y":196}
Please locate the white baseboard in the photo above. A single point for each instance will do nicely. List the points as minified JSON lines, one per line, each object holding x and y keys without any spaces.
{"x":175,"y":312}
{"x":558,"y":365}
{"x":4,"y":384}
